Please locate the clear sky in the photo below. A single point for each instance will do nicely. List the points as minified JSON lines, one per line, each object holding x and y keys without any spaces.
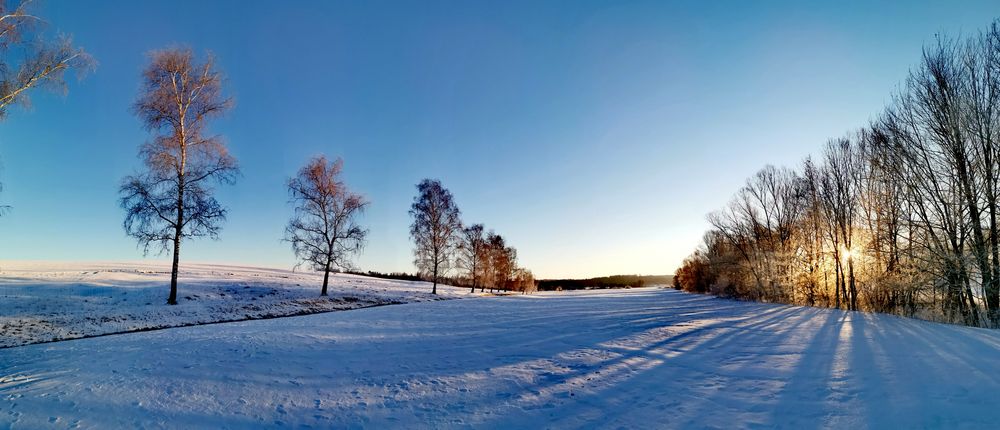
{"x":594,"y":135}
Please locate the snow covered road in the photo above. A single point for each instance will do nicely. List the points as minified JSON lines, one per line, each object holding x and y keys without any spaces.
{"x":615,"y":359}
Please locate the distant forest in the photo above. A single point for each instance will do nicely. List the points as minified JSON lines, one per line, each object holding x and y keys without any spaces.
{"x":617,"y":281}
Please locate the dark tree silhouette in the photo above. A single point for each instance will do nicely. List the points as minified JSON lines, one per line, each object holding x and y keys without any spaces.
{"x":324,"y":231}
{"x":173,"y":198}
{"x":434,"y":230}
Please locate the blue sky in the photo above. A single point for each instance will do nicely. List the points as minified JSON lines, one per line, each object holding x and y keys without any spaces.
{"x":596,"y":136}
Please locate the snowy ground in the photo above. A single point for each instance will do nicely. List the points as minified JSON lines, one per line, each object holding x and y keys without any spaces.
{"x":42,"y":302}
{"x":611,"y":359}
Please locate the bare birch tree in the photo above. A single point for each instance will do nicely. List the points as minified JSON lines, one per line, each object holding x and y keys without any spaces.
{"x":324,"y":232}
{"x":472,"y":252}
{"x":502,"y":261}
{"x":434,"y":229}
{"x":173,"y":198}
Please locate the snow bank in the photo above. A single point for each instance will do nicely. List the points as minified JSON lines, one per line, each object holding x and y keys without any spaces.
{"x":42,"y":302}
{"x":642,"y":358}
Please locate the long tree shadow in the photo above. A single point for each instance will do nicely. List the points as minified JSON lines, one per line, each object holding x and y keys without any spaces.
{"x":743,"y":371}
{"x":651,"y":364}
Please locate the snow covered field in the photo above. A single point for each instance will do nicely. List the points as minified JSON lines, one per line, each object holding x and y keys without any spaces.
{"x":42,"y":302}
{"x":612,"y":359}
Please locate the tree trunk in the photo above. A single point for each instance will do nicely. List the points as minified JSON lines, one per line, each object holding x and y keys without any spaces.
{"x":179,"y":227}
{"x":172,"y":300}
{"x":178,"y":231}
{"x":434,"y":289}
{"x":978,"y":240}
{"x":326,"y":278}
{"x":973,"y":319}
{"x":843,"y":288}
{"x":836,"y":278}
{"x":854,"y":290}
{"x":994,"y":295}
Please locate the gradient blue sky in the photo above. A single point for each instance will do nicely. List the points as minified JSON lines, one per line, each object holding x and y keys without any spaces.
{"x":594,"y":135}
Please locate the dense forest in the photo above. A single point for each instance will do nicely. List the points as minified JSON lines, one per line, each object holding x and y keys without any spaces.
{"x":899,"y":216}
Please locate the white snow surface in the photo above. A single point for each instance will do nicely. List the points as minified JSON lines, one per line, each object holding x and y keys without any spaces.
{"x":46,"y":301}
{"x":643,"y":358}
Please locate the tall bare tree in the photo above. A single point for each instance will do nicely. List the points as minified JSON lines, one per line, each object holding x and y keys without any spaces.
{"x":839,"y":189}
{"x":472,"y":252}
{"x":173,"y":198}
{"x":502,"y":261}
{"x":434,"y":230}
{"x":324,"y":231}
{"x":981,"y":119}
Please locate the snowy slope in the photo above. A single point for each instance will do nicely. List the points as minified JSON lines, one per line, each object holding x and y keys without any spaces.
{"x":48,"y":301}
{"x":612,"y":359}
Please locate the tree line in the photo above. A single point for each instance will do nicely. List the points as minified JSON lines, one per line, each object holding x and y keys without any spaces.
{"x":899,"y":216}
{"x":172,"y":198}
{"x":482,"y":258}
